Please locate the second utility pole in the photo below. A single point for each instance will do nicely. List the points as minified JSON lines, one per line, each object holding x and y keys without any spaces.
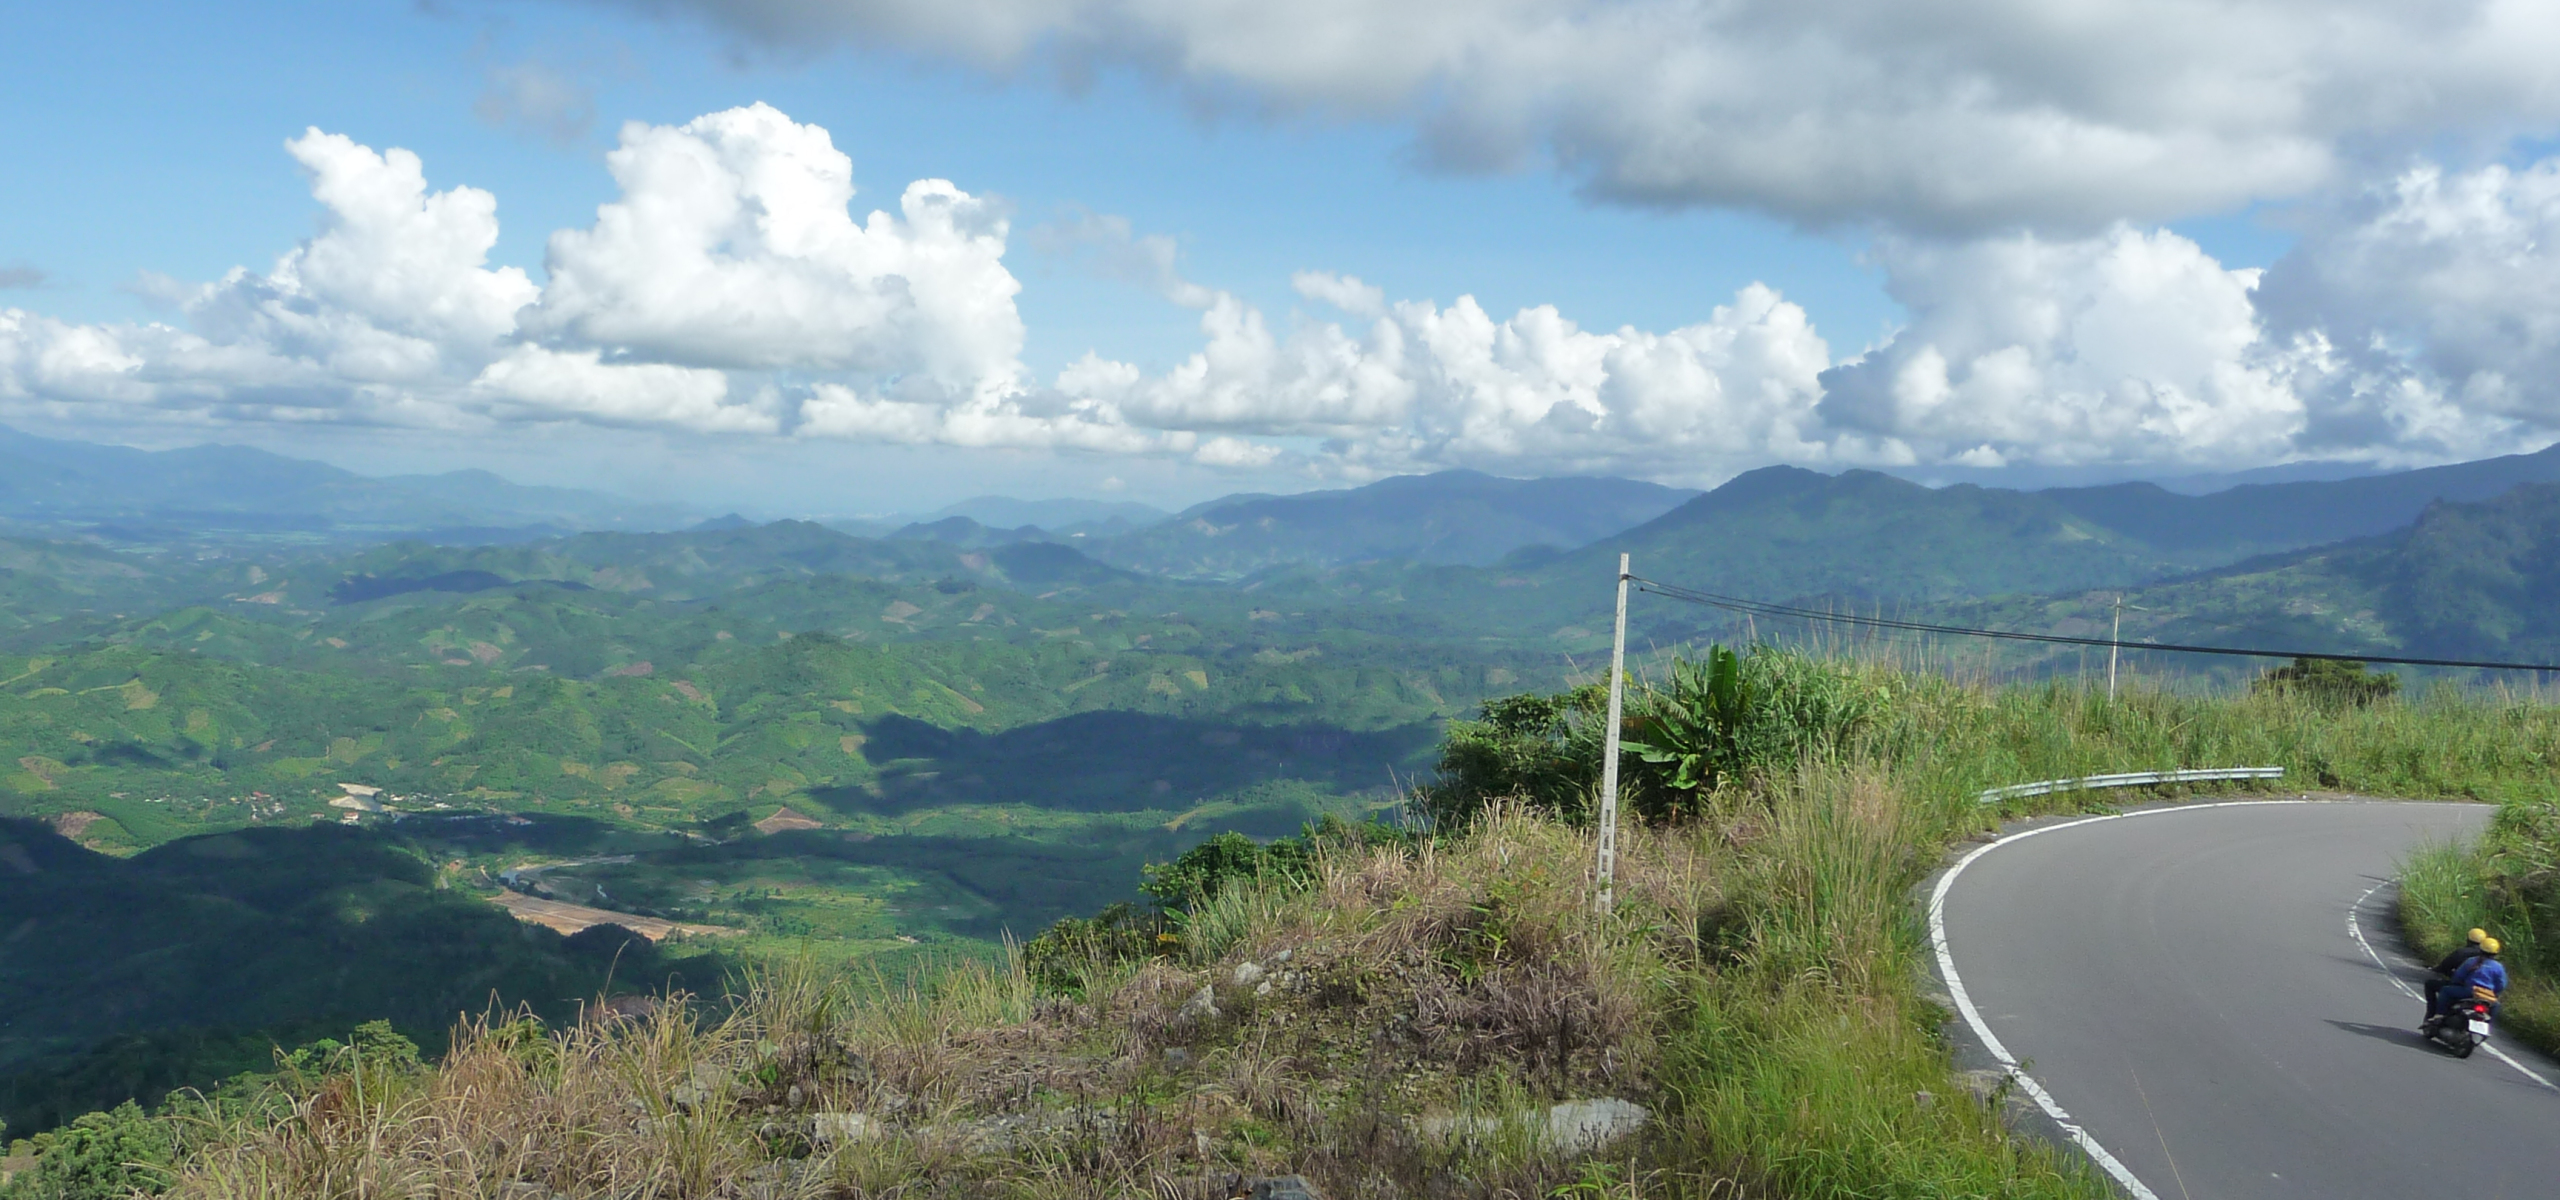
{"x":1609,"y":759}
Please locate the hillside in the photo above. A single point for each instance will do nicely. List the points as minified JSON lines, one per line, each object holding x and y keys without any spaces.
{"x":2465,"y":580}
{"x":163,"y":742}
{"x":1786,"y":532}
{"x":1453,"y":517}
{"x":1779,"y":533}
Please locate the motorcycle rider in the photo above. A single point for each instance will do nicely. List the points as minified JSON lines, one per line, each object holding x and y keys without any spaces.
{"x":2443,"y":973}
{"x":2483,"y":976}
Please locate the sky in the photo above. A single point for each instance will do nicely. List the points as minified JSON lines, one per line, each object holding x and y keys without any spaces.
{"x":823,"y":257}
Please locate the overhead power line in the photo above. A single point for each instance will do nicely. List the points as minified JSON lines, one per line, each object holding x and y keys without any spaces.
{"x":1762,"y":608}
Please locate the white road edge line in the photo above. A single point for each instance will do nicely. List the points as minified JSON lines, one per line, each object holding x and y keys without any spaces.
{"x":2355,"y":929}
{"x":1981,"y":1029}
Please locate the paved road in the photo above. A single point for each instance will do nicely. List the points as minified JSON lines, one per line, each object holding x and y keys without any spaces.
{"x":2184,"y":983}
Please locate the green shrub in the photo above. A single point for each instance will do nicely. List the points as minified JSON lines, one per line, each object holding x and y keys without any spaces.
{"x":1204,"y":870}
{"x":1209,"y":868}
{"x":1068,"y":954}
{"x":101,"y":1156}
{"x":1545,"y":750}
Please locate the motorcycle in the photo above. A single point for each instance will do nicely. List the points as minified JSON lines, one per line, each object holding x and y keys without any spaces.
{"x":2464,"y":1025}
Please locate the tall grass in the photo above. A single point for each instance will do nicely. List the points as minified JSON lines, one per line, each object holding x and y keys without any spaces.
{"x":1807,"y":1063}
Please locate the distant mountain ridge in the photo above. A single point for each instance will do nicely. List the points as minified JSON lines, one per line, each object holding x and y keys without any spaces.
{"x":2465,"y":580}
{"x":2282,"y":516}
{"x":1786,"y":533}
{"x":1061,"y":515}
{"x":1862,"y":539}
{"x":1799,"y":532}
{"x":241,"y":489}
{"x":1782,"y":533}
{"x":1453,"y":517}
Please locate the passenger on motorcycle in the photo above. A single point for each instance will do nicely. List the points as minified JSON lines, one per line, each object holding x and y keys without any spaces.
{"x":2444,"y":971}
{"x":2484,"y":977}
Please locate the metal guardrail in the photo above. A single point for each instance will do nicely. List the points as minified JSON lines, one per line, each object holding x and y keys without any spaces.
{"x":2129,"y":779}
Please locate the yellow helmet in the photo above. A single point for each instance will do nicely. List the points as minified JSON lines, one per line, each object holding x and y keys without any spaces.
{"x":2478,"y":936}
{"x":2489,"y":946}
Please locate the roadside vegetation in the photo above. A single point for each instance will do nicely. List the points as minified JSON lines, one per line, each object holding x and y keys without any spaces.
{"x":1433,"y":1010}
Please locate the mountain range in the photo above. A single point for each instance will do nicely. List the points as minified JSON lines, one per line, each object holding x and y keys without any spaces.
{"x":1777,"y":532}
{"x":1464,"y":518}
{"x":147,"y":495}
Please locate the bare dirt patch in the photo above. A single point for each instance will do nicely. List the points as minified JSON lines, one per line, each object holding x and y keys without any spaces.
{"x":570,"y":918}
{"x":73,"y":824}
{"x":786,"y":820}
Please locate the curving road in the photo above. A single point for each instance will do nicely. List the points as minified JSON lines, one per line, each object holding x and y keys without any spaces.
{"x":2187,"y":986}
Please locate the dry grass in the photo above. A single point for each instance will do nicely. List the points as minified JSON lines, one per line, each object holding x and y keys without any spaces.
{"x":1396,"y":1018}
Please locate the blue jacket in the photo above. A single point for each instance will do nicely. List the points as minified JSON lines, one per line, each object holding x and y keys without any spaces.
{"x":2484,"y":971}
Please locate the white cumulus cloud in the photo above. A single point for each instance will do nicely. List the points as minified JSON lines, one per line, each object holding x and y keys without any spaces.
{"x":578,"y":383}
{"x":733,"y":245}
{"x":730,"y":255}
{"x":2130,"y":347}
{"x":390,"y":299}
{"x":1426,"y":386}
{"x":732,"y":287}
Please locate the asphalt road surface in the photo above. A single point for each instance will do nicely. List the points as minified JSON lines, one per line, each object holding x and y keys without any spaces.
{"x":2184,"y":982}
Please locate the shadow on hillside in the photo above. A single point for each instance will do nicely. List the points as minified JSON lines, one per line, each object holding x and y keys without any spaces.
{"x":1119,"y":762}
{"x":259,"y":929}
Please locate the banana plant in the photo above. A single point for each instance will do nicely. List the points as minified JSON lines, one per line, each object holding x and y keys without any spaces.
{"x":1696,"y":726}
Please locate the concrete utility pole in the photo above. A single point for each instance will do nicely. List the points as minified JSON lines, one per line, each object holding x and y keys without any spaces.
{"x":1609,"y":759}
{"x":2115,"y":641}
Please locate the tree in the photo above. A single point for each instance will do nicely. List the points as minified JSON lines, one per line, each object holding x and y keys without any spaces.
{"x":2329,"y":681}
{"x":1543,"y":750}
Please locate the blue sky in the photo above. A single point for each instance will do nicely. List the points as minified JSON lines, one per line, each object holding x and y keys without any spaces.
{"x":151,"y":143}
{"x":173,"y":163}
